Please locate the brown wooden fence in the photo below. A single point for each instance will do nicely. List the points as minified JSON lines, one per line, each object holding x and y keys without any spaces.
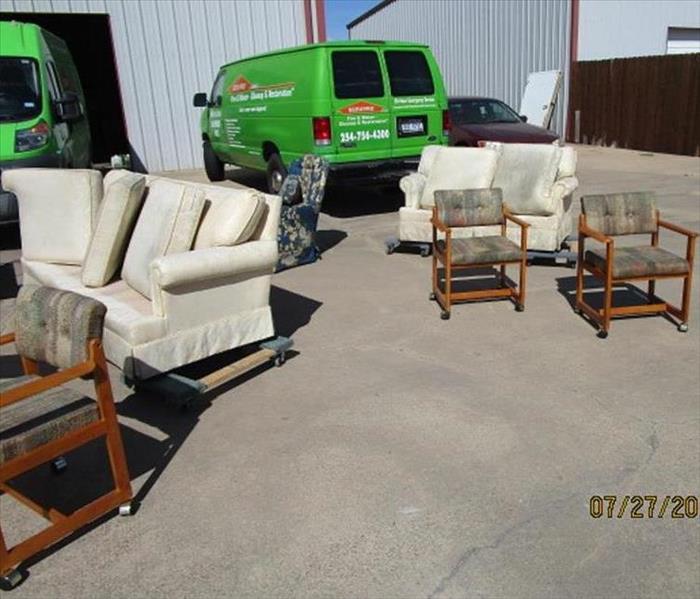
{"x":650,"y":103}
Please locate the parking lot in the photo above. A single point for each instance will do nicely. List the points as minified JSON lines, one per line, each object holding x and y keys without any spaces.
{"x":399,"y":455}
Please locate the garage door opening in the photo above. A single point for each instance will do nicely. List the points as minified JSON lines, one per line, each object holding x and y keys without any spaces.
{"x":89,"y":39}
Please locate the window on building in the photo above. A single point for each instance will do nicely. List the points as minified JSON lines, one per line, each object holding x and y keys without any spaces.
{"x":683,"y":40}
{"x":357,"y":75}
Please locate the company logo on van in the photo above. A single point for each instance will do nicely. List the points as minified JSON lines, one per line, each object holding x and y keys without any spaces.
{"x":361,"y":108}
{"x":240,"y":84}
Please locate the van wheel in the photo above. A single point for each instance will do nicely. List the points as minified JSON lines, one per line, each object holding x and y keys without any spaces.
{"x":276,"y":173}
{"x":212,"y":165}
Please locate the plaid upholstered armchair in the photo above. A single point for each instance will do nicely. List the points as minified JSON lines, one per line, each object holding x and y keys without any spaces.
{"x":302,"y":194}
{"x":475,"y":208}
{"x":40,"y":419}
{"x":607,"y":216}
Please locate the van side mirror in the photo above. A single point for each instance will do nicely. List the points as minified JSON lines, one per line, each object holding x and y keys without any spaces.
{"x":523,"y":118}
{"x":68,"y":108}
{"x":200,"y":100}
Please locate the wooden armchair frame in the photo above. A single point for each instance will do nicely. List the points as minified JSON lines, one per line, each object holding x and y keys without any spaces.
{"x":654,"y":305}
{"x":106,"y":426}
{"x":447,"y":297}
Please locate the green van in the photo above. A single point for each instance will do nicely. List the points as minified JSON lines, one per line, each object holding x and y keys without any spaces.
{"x":42,"y":114}
{"x":368,"y":107}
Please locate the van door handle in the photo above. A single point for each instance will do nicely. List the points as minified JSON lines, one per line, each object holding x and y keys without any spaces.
{"x":432,"y":138}
{"x":349,"y":144}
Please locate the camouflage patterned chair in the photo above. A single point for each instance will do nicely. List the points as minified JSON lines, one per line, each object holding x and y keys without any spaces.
{"x":302,"y":194}
{"x":606,"y":216}
{"x":41,"y":420}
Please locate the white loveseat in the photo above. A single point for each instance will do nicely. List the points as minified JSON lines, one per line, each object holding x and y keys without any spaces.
{"x":180,"y":307}
{"x":537,"y":180}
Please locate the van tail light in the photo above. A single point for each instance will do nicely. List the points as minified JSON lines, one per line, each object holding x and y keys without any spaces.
{"x":31,"y":139}
{"x":322,"y":130}
{"x":446,"y":122}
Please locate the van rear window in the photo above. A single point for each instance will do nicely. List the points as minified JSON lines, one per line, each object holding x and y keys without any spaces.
{"x":357,"y":75}
{"x":409,"y":74}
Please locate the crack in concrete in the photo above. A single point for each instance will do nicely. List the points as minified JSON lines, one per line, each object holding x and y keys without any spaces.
{"x":652,"y":441}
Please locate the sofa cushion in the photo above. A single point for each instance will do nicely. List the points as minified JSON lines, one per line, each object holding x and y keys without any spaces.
{"x":129,"y":314}
{"x":57,"y":211}
{"x":567,"y":164}
{"x":639,"y":262}
{"x":231,"y":216}
{"x":526,"y":173}
{"x":167,"y":224}
{"x":482,"y":250}
{"x":459,"y":168}
{"x":118,"y":212}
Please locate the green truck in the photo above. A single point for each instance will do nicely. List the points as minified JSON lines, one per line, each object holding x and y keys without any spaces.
{"x":368,"y":107}
{"x":42,"y":114}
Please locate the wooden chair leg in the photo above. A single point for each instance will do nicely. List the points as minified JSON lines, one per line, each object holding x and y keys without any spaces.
{"x":435,"y":271}
{"x":651,"y":290}
{"x":522,"y":284}
{"x":607,"y":306}
{"x":29,"y":366}
{"x":685,"y":306}
{"x":579,"y":276}
{"x":115,"y":446}
{"x":448,"y":282}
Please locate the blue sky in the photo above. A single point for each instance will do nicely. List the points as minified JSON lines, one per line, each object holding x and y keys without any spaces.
{"x":340,"y":12}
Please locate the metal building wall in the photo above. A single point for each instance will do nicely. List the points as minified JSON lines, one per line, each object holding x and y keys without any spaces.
{"x":483,"y":47}
{"x":626,"y":28}
{"x":166,"y":50}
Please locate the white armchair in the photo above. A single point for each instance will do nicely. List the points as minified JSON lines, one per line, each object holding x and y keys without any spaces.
{"x":537,"y":180}
{"x":191,"y":303}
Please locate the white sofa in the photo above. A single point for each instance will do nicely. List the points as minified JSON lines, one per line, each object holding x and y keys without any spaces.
{"x":538,"y":181}
{"x":195,"y":303}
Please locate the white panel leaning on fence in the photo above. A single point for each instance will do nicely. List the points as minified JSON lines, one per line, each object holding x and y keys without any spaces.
{"x":538,"y":181}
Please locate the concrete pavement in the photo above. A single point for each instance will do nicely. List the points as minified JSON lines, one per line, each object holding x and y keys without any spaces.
{"x":397,"y":455}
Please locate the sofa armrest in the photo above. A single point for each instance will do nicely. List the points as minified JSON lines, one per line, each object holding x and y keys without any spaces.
{"x":564,"y":187}
{"x":412,"y":186}
{"x":197,"y":266}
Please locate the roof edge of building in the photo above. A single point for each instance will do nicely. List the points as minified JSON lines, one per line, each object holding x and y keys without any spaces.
{"x":369,"y":13}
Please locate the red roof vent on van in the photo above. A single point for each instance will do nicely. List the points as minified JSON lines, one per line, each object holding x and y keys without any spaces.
{"x":322,"y":130}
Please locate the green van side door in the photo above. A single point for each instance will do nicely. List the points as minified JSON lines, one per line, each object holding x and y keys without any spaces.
{"x":360,"y":105}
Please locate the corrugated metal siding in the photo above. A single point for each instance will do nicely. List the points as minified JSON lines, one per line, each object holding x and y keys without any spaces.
{"x":484,"y":47}
{"x":644,"y":31}
{"x":166,"y":50}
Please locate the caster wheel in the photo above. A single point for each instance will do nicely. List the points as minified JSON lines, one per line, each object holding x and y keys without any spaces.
{"x":445,"y":315}
{"x":602,"y":334}
{"x":683,"y":327}
{"x":578,"y":311}
{"x":425,"y":252}
{"x":126,"y":509}
{"x":279,"y":360}
{"x":10,"y":579}
{"x":432,"y":297}
{"x":389,"y":250}
{"x":519,"y":308}
{"x":59,"y":465}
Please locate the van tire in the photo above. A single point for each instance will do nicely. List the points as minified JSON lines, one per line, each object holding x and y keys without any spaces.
{"x":212,"y":165}
{"x":276,"y":173}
